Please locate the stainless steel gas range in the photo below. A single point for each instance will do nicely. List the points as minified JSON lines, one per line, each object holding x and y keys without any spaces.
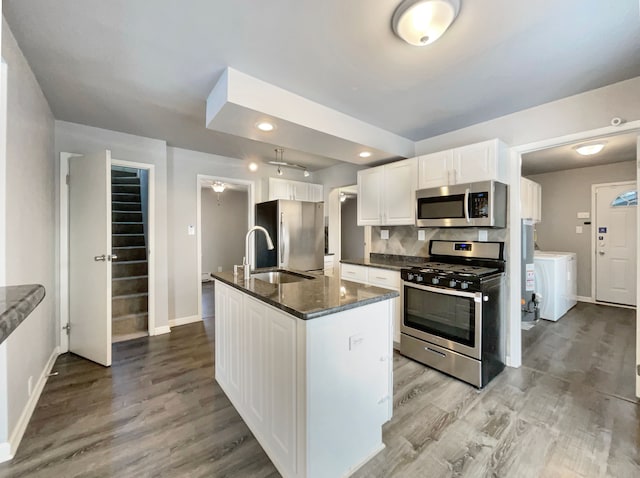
{"x":452,"y":314}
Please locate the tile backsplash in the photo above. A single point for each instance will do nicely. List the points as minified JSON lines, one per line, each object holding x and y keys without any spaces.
{"x":403,"y":240}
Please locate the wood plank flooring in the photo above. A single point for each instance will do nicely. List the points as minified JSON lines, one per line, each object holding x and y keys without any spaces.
{"x":569,"y":411}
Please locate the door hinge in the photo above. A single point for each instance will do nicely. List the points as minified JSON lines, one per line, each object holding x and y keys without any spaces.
{"x":67,"y":327}
{"x":67,"y":179}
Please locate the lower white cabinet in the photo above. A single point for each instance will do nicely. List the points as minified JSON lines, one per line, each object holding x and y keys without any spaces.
{"x":315,"y":393}
{"x":386,"y":278}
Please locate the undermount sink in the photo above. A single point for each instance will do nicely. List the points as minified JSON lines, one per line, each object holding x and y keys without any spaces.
{"x":280,"y":276}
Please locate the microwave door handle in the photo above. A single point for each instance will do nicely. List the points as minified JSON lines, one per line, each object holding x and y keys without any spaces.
{"x":466,"y":205}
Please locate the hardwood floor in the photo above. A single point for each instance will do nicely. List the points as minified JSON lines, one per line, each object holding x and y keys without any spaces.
{"x":569,"y":411}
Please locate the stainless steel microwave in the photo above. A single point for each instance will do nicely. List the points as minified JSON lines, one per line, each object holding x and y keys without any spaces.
{"x":481,"y":204}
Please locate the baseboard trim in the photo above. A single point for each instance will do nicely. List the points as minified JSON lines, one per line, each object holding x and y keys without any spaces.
{"x":164,"y":329}
{"x":8,"y":450}
{"x":184,"y":320}
{"x":581,"y":298}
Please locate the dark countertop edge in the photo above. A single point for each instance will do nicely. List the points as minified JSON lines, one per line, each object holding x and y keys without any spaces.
{"x":313,"y":314}
{"x":19,"y":308}
{"x":394,"y":265}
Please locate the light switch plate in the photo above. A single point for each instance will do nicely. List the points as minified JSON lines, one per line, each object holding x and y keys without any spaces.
{"x":421,"y":235}
{"x":483,"y":234}
{"x":191,"y":230}
{"x":384,"y":234}
{"x":578,"y":229}
{"x":583,"y":215}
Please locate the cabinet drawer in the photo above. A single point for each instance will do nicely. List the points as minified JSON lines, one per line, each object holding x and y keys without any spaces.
{"x":384,"y":278}
{"x":353,"y":272}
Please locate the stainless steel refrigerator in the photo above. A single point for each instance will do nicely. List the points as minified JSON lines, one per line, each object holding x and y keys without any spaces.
{"x":297,"y":231}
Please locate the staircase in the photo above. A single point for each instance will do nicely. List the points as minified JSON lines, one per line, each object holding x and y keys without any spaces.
{"x":130,"y":280}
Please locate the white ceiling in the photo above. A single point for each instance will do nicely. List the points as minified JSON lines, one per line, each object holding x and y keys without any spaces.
{"x":147,"y":67}
{"x":622,"y":147}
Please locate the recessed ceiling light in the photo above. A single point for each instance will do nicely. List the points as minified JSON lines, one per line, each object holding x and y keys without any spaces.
{"x":265,"y":126}
{"x":305,"y":173}
{"x":253,"y":167}
{"x":590,"y":149}
{"x":365,"y":154}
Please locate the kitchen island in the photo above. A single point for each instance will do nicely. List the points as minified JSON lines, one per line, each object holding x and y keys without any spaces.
{"x":308,"y":365}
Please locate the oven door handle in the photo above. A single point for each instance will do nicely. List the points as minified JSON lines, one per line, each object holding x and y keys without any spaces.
{"x":466,"y":204}
{"x":476,"y":296}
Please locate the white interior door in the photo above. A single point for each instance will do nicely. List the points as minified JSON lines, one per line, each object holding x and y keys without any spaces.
{"x":616,"y":243}
{"x":90,"y":256}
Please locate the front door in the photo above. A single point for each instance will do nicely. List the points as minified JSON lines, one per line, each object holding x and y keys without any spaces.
{"x":90,"y":256}
{"x":615,"y":229}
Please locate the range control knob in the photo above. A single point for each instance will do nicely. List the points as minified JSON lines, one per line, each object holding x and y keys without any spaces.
{"x":419,"y":278}
{"x":464,"y":285}
{"x":452,"y":283}
{"x":409,"y":276}
{"x":435,"y":280}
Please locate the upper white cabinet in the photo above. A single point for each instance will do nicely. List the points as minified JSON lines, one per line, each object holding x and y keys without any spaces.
{"x":476,"y":162}
{"x":295,"y":190}
{"x":530,"y":200}
{"x":386,"y":194}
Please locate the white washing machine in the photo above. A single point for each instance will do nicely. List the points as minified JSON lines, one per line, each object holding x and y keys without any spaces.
{"x":555,"y":279}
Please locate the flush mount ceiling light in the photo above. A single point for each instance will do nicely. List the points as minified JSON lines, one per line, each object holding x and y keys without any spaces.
{"x":365,"y":154}
{"x":590,"y":149}
{"x":253,"y":167}
{"x":218,"y":187}
{"x":421,"y":22}
{"x":305,"y":173}
{"x":265,"y":126}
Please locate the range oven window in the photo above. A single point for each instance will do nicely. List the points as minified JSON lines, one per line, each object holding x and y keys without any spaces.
{"x":447,"y":316}
{"x":442,"y":207}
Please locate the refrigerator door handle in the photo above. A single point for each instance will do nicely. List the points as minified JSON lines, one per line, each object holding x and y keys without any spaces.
{"x":281,"y":239}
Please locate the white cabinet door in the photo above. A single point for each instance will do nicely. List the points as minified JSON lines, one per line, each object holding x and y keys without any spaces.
{"x":299,"y":190}
{"x":279,"y":189}
{"x":400,"y":182}
{"x":476,"y":162}
{"x":434,"y":169}
{"x":370,"y":184}
{"x":256,"y":359}
{"x":282,"y":387}
{"x":316,"y":193}
{"x":229,"y":349}
{"x":390,"y":280}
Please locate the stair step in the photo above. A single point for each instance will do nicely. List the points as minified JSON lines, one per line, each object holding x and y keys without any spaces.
{"x":126,"y":197}
{"x":119,"y":206}
{"x":124,"y":180}
{"x":123,"y":174}
{"x":129,"y":324}
{"x":127,"y":228}
{"x":122,"y":286}
{"x":125,"y":188}
{"x":129,"y":269}
{"x":130,"y":253}
{"x":128,"y":216}
{"x":124,"y":240}
{"x":129,"y":304}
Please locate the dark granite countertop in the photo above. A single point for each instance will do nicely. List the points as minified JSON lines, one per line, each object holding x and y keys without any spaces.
{"x":312,"y":298}
{"x":387,"y":261}
{"x":16,"y":303}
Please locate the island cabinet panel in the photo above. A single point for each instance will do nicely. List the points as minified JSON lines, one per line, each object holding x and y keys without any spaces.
{"x":315,"y":393}
{"x":282,"y":386}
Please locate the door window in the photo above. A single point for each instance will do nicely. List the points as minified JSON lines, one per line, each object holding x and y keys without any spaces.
{"x":628,"y":198}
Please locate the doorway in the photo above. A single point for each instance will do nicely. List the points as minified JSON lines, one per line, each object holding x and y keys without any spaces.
{"x":66,"y":251}
{"x":351,"y":235}
{"x":224,"y":215}
{"x":615,"y":220}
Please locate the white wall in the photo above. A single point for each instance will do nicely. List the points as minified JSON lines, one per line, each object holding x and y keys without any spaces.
{"x":584,"y":112}
{"x":30,"y":229}
{"x":224,"y":225}
{"x":344,"y":174}
{"x":183,"y":168}
{"x":75,"y":138}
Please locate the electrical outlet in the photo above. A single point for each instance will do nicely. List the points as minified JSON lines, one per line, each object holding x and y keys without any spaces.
{"x":30,"y":385}
{"x":384,"y":233}
{"x":421,"y":235}
{"x":355,"y":341}
{"x":219,"y":268}
{"x":578,"y":229}
{"x":191,"y":230}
